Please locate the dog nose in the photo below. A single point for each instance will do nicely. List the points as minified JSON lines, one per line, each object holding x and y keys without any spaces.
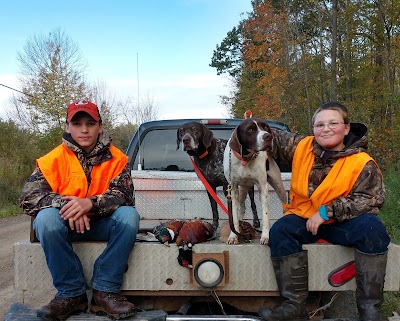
{"x":185,"y":140}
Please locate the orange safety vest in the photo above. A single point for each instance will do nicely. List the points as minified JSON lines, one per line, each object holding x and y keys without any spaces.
{"x":339,"y":181}
{"x":64,"y":173}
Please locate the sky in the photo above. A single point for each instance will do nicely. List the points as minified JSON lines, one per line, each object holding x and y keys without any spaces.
{"x":158,"y":48}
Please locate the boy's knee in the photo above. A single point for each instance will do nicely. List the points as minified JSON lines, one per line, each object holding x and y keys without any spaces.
{"x":128,"y":215}
{"x":48,"y":219}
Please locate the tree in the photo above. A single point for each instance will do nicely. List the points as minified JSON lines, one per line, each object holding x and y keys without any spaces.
{"x":52,"y":76}
{"x":18,"y":151}
{"x":264,"y":55}
{"x":146,"y":109}
{"x":287,"y":57}
{"x":227,"y":57}
{"x":107,"y":104}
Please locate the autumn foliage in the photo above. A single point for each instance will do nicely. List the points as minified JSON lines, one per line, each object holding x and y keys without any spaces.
{"x":296,"y":55}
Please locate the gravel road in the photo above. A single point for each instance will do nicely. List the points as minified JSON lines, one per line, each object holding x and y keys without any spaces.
{"x":12,"y":230}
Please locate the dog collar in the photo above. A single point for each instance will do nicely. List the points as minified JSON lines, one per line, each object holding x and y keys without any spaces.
{"x":249,"y":157}
{"x":204,"y":154}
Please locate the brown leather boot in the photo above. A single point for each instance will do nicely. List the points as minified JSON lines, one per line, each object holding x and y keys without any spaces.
{"x":115,"y":305}
{"x":62,"y":308}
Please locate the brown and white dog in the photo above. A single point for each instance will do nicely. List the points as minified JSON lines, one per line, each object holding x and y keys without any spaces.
{"x":208,"y":154}
{"x":247,"y":163}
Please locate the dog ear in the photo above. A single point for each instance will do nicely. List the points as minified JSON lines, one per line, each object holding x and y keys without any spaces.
{"x":234,"y":143}
{"x":207,"y":137}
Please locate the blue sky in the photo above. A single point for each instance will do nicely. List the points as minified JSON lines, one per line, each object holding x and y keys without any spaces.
{"x":172,"y":41}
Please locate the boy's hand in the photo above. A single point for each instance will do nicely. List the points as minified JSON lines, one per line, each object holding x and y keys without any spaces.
{"x":79,"y":225}
{"x":75,"y":208}
{"x":314,"y":222}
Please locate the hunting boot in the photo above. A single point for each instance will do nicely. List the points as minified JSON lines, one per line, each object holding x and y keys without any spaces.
{"x":370,"y":278}
{"x":114,"y":305}
{"x":62,"y":308}
{"x":291,"y":274}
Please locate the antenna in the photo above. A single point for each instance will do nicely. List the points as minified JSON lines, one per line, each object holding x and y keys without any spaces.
{"x":137,"y":79}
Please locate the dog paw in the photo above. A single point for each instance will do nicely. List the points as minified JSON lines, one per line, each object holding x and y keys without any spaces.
{"x":264,"y":240}
{"x":232,"y":240}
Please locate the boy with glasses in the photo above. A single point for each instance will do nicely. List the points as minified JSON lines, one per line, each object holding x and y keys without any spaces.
{"x":336,"y":192}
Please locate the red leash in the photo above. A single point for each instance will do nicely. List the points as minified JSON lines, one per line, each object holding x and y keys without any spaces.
{"x":208,"y":187}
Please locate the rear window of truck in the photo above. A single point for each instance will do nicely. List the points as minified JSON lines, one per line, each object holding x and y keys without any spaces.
{"x":158,"y":151}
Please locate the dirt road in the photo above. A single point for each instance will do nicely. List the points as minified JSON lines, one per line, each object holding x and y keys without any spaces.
{"x":12,"y":230}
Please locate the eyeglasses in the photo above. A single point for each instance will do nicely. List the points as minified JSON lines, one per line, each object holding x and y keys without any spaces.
{"x":333,"y":124}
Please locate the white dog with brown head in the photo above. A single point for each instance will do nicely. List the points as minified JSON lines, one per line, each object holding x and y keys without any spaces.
{"x":247,"y":163}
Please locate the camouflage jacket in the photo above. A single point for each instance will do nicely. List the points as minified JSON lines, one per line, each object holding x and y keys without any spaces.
{"x":368,"y":193}
{"x":37,"y":193}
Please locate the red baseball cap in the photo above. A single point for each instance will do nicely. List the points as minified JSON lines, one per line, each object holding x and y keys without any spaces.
{"x":85,"y":106}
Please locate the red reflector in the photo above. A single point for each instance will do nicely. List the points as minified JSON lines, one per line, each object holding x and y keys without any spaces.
{"x":342,"y":274}
{"x":214,"y":121}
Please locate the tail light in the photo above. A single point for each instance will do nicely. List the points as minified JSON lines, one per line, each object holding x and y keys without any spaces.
{"x":342,"y":274}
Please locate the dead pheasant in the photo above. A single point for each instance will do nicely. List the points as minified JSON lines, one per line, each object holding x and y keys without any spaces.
{"x":168,"y":231}
{"x":196,"y":231}
{"x":191,"y":233}
{"x":185,"y":234}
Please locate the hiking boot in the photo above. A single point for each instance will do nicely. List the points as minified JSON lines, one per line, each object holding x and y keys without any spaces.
{"x":62,"y":308}
{"x":114,"y":305}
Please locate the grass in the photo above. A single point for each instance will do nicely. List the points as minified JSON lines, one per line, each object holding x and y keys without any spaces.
{"x":10,"y":210}
{"x":391,"y":218}
{"x":390,"y":211}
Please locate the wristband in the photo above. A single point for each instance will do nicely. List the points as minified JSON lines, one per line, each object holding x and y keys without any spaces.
{"x":323,"y":213}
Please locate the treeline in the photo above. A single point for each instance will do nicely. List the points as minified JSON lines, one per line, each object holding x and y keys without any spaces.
{"x":285,"y":58}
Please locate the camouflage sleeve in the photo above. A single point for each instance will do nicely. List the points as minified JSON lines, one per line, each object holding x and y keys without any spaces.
{"x":367,"y":196}
{"x":37,"y":195}
{"x":284,"y":145}
{"x":119,"y":193}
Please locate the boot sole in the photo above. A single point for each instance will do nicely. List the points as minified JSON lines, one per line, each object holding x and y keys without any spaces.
{"x":78,"y":309}
{"x":101,"y":311}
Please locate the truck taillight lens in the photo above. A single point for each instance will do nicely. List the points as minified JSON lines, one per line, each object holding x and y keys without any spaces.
{"x":342,"y":274}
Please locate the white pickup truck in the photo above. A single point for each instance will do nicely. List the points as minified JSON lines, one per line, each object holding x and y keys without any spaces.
{"x":167,"y":187}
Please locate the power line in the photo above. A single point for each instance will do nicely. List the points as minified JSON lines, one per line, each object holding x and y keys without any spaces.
{"x":17,"y":90}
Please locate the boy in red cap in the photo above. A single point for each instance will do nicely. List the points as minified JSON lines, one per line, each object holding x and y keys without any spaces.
{"x":82,"y":190}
